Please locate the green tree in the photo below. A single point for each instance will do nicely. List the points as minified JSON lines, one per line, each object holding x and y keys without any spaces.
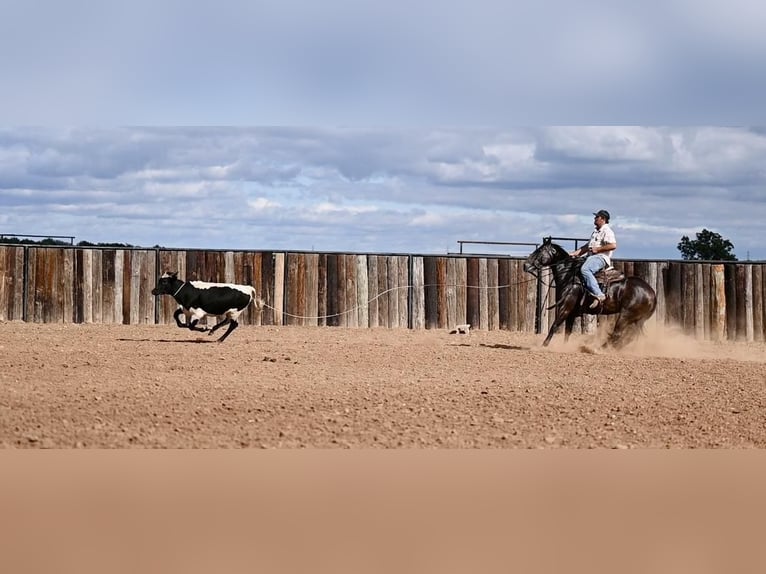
{"x":709,"y":246}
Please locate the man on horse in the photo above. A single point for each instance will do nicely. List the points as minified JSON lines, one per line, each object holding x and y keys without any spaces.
{"x":599,"y":251}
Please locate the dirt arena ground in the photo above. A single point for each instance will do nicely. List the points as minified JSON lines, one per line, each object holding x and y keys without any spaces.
{"x":102,"y":386}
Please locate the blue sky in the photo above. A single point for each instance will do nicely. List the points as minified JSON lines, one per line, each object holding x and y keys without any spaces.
{"x":346,"y":125}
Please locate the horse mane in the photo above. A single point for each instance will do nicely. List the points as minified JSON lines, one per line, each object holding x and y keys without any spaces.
{"x":569,"y":266}
{"x":560,"y":251}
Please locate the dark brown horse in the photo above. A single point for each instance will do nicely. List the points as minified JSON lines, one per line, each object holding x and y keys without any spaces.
{"x":630,"y":297}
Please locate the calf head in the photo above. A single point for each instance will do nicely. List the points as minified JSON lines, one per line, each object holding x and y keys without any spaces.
{"x":167,"y":284}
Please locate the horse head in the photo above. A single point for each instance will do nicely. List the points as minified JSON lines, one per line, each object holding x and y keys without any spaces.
{"x":545,"y":255}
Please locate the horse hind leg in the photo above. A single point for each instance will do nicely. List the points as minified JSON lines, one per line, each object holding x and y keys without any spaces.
{"x":625,"y":331}
{"x":568,"y":327}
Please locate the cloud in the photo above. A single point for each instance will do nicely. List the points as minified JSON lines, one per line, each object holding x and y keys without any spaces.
{"x":385,"y":189}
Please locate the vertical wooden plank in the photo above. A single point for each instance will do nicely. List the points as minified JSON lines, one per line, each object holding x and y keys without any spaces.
{"x":403,"y":290}
{"x":56,"y":298}
{"x":662,"y":285}
{"x":383,"y":295}
{"x":674,"y":294}
{"x":42,"y":291}
{"x":342,"y":288}
{"x":362,"y":292}
{"x":758,"y":334}
{"x":441,"y":281}
{"x":333,"y":305}
{"x":268,"y":287}
{"x":483,"y":295}
{"x":699,"y":303}
{"x":229,"y":274}
{"x":68,"y":285}
{"x":119,"y":271}
{"x":530,"y":302}
{"x":294,"y":281}
{"x":147,"y":284}
{"x":688,"y":300}
{"x":707,"y":282}
{"x":251,"y":269}
{"x":107,"y":285}
{"x":503,"y":292}
{"x":473,"y":303}
{"x":135,"y":287}
{"x":6,"y":280}
{"x":373,"y":291}
{"x":460,"y":283}
{"x":453,"y":280}
{"x":741,"y":287}
{"x":518,"y":280}
{"x":78,"y":284}
{"x":241,"y":270}
{"x":87,"y":285}
{"x":431,"y":292}
{"x":322,"y":290}
{"x":651,"y":278}
{"x":392,"y":273}
{"x":763,"y":296}
{"x":295,"y":278}
{"x":279,"y":288}
{"x":97,"y":299}
{"x":312,"y":289}
{"x":352,"y":306}
{"x":418,"y":312}
{"x":126,"y":280}
{"x":17,"y":304}
{"x":493,"y":295}
{"x":730,"y":289}
{"x":11,"y":282}
{"x":472,"y":295}
{"x":31,"y":310}
{"x":749,"y":323}
{"x":718,"y":303}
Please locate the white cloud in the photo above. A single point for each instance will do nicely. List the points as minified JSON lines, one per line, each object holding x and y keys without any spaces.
{"x":263,"y":204}
{"x":385,"y":189}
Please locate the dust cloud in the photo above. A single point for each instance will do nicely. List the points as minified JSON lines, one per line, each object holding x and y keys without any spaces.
{"x":667,"y":341}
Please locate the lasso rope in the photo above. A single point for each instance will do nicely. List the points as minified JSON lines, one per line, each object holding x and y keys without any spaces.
{"x":354,"y":309}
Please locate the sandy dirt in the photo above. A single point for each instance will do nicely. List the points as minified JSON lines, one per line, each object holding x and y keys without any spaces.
{"x":102,"y":386}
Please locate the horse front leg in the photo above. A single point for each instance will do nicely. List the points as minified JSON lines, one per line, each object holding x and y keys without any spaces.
{"x":564,"y":310}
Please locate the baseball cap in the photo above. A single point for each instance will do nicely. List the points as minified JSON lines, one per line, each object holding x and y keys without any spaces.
{"x":602,"y":213}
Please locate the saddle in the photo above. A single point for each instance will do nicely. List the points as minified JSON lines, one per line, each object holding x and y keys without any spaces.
{"x":609,"y":275}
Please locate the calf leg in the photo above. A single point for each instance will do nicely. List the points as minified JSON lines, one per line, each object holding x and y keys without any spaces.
{"x":217,"y":326}
{"x":232,"y":325}
{"x":177,"y":317}
{"x":191,"y":325}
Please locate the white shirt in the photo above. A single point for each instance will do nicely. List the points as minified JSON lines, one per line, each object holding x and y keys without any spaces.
{"x":601,"y":237}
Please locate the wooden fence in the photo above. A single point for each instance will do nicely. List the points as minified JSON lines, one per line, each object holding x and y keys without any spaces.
{"x":97,"y":285}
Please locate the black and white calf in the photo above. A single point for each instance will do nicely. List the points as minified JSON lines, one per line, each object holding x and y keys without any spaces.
{"x":199,"y":299}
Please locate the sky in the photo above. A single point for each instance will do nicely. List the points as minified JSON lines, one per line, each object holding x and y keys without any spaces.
{"x":396,"y":127}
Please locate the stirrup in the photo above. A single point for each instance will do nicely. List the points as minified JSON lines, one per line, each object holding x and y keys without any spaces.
{"x":596,"y":302}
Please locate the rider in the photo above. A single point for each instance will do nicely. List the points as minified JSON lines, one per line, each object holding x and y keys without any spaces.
{"x":599,"y":251}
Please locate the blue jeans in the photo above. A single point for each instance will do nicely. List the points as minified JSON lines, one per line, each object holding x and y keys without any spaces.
{"x":592,"y":265}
